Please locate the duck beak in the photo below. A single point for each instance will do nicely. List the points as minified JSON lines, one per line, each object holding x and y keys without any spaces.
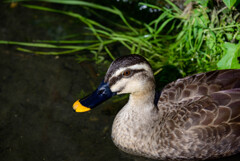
{"x":102,"y":93}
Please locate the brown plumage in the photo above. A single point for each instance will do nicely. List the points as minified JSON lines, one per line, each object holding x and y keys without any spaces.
{"x":195,"y":118}
{"x":206,"y":108}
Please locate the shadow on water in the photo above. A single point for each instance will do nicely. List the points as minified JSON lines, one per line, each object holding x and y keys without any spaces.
{"x":36,"y":95}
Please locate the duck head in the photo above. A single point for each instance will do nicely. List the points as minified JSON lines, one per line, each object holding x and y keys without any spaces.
{"x":128,"y":74}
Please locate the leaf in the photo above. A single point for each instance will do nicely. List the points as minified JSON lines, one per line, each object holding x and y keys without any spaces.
{"x":231,"y":58}
{"x":229,"y":3}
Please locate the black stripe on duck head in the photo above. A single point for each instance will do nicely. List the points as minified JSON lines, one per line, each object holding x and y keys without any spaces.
{"x":123,"y":62}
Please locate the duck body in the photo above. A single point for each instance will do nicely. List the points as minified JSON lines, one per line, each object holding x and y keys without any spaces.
{"x":195,"y":118}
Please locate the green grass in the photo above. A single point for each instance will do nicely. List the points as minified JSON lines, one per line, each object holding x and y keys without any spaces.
{"x":194,"y":40}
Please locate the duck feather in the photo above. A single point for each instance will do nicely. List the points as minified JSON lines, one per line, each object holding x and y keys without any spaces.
{"x":206,"y":107}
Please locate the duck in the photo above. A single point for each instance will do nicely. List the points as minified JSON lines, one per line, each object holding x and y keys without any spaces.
{"x":193,"y":118}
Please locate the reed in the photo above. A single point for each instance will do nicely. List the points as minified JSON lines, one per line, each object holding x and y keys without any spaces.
{"x":196,"y":39}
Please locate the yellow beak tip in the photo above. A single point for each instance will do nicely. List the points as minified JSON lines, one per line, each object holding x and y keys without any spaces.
{"x":78,"y":107}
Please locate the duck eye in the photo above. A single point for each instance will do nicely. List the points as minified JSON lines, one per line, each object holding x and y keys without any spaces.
{"x":126,"y":73}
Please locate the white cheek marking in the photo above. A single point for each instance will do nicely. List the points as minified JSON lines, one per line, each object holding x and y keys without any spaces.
{"x":119,"y":85}
{"x":133,"y":67}
{"x":127,"y":85}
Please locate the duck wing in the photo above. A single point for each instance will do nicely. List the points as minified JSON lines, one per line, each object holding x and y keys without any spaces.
{"x":213,"y":122}
{"x":205,"y":112}
{"x":200,"y":85}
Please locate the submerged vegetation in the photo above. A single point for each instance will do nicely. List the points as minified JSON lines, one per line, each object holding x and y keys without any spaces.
{"x":201,"y":37}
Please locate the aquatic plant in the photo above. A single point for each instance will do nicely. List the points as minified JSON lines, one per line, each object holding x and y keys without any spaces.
{"x":231,"y":3}
{"x":196,"y":39}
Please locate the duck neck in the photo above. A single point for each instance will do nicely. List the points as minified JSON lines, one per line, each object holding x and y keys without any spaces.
{"x":141,"y":105}
{"x":142,"y":99}
{"x":135,"y":122}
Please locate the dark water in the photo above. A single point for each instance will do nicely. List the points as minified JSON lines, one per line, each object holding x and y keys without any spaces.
{"x":36,"y":95}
